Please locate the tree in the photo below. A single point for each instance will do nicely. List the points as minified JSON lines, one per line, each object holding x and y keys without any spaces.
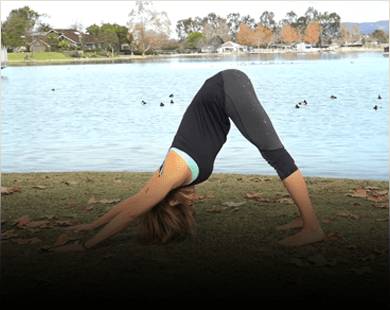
{"x":261,"y":36}
{"x":17,"y":29}
{"x":233,"y":21}
{"x":244,"y":34}
{"x":246,"y":19}
{"x":290,"y":19}
{"x":380,"y":36}
{"x":186,"y":26}
{"x":312,"y":33}
{"x":330,"y":27}
{"x":289,"y":34}
{"x":215,"y":27}
{"x":349,"y":35}
{"x":147,"y":26}
{"x":311,"y":14}
{"x":194,"y":40}
{"x":267,"y":20}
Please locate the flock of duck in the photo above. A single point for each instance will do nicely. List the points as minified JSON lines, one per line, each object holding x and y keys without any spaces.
{"x":304,"y":102}
{"x":161,"y":103}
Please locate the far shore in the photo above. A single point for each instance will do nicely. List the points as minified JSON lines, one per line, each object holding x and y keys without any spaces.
{"x":131,"y":58}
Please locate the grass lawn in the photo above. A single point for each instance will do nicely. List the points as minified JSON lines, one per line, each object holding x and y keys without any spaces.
{"x":37,"y":56}
{"x":235,"y":253}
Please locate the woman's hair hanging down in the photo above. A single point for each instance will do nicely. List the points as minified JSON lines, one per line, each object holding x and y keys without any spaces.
{"x":171,"y":219}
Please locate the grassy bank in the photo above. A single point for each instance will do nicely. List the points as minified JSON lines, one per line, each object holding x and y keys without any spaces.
{"x":57,"y":58}
{"x":234,"y":254}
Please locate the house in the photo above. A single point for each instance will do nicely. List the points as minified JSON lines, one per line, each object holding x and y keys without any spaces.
{"x":232,"y":47}
{"x":305,"y":48}
{"x":75,"y":39}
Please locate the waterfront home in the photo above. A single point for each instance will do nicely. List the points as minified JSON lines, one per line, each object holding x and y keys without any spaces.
{"x":41,"y":43}
{"x":305,"y":48}
{"x":232,"y":47}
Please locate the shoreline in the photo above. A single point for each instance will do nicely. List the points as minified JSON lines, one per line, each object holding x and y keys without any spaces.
{"x":134,"y":58}
{"x":217,"y":174}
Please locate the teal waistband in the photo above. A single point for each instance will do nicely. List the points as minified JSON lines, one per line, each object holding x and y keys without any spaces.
{"x":190,"y":162}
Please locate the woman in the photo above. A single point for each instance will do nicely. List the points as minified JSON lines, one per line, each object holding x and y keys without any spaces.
{"x":164,"y":203}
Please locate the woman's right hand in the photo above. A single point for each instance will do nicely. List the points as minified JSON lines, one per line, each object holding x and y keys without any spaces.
{"x":81,"y":227}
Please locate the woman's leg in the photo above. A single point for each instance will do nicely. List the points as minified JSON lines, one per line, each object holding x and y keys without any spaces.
{"x":245,"y":110}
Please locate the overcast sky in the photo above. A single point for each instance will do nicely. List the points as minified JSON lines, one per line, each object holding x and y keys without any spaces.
{"x":62,"y":14}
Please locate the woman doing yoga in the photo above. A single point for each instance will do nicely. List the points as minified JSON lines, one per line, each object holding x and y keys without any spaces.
{"x":164,"y":204}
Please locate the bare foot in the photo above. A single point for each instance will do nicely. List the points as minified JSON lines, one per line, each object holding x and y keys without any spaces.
{"x":297,"y":223}
{"x":303,"y":237}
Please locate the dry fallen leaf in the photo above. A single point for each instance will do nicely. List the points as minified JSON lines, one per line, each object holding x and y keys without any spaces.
{"x":233,"y":204}
{"x":333,"y":236}
{"x":384,"y":205}
{"x":348,"y":215}
{"x":64,"y":239}
{"x":358,"y":192}
{"x":38,"y":224}
{"x":27,"y":241}
{"x":285,"y":200}
{"x":214,"y":209}
{"x":39,"y":186}
{"x":9,"y":234}
{"x":63,"y":223}
{"x":256,"y":196}
{"x":93,"y":200}
{"x":22,"y":221}
{"x":9,"y":190}
{"x":70,"y":182}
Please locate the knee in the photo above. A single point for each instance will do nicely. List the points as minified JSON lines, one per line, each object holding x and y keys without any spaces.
{"x":281,"y":161}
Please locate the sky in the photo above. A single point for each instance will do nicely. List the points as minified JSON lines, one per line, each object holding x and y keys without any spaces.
{"x":62,"y":14}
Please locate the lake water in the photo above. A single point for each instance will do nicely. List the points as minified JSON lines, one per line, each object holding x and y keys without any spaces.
{"x":94,"y":120}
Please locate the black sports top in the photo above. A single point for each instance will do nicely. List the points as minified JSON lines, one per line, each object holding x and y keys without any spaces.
{"x":204,"y":127}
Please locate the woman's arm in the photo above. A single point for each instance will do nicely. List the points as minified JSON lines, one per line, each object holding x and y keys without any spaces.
{"x":175,"y":173}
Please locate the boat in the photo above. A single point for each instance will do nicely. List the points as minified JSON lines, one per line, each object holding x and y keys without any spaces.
{"x":386,"y":51}
{"x":3,"y":57}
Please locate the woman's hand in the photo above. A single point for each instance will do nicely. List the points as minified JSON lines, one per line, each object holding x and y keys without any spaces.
{"x":81,"y":227}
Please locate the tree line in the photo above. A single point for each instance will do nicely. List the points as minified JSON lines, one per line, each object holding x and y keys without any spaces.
{"x":149,"y":30}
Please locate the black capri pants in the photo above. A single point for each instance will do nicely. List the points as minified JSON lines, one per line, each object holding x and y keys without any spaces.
{"x":244,"y":109}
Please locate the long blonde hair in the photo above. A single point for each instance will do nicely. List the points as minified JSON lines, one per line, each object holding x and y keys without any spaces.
{"x":171,"y":219}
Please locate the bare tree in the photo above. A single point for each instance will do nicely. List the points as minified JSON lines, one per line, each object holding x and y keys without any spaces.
{"x":147,"y":26}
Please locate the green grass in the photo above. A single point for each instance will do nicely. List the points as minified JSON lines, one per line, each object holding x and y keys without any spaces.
{"x":234,"y":254}
{"x":37,"y":56}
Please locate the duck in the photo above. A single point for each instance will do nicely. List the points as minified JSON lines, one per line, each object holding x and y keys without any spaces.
{"x":144,"y":102}
{"x":379,"y":97}
{"x":305,"y":102}
{"x":300,"y":103}
{"x":53,"y":89}
{"x":162,"y":104}
{"x":375,"y":107}
{"x":172,"y":101}
{"x":333,"y":97}
{"x":171,"y":96}
{"x":297,"y":106}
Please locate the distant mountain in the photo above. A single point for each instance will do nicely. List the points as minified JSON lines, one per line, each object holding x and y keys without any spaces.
{"x":368,"y":28}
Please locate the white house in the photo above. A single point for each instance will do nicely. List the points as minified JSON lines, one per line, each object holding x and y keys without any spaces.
{"x":232,"y":47}
{"x":304,"y":48}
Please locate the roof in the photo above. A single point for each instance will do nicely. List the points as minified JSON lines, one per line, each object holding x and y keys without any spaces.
{"x":231,"y":44}
{"x":71,"y":34}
